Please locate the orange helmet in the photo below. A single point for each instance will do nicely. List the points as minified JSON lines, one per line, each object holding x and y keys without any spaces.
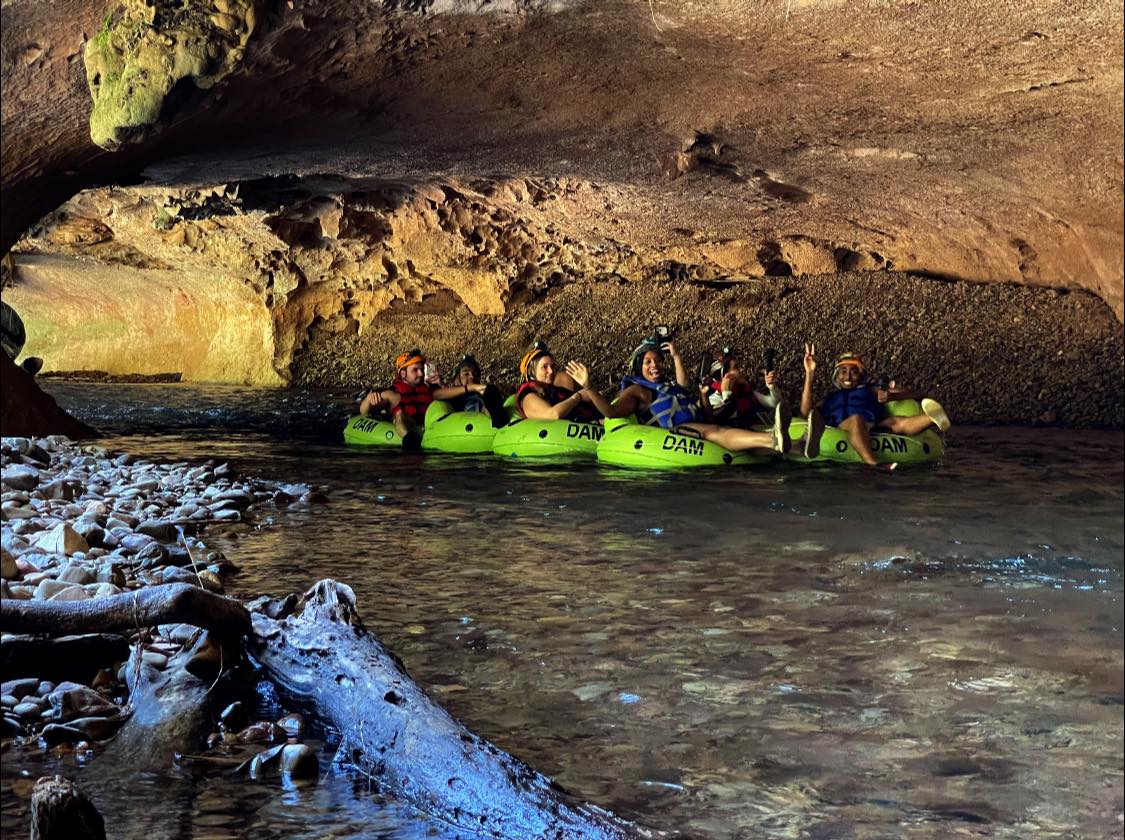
{"x":527,"y":363}
{"x":410,"y":357}
{"x":849,"y":360}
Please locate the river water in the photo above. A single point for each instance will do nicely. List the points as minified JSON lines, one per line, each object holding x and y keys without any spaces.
{"x":785,"y":652}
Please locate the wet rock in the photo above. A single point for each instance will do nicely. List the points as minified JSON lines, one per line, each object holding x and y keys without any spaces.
{"x":211,"y":581}
{"x":11,"y":727}
{"x":232,"y":718}
{"x":156,"y":660}
{"x":19,"y":688}
{"x":293,"y":725}
{"x":175,"y":574}
{"x":297,"y":761}
{"x":78,"y":701}
{"x":62,"y":539}
{"x":20,"y":477}
{"x":80,"y":729}
{"x":181,"y":634}
{"x":8,"y":701}
{"x":257,"y":733}
{"x":159,"y":530}
{"x":28,"y":712}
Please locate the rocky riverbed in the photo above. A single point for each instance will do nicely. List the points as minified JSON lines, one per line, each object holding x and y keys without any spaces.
{"x":82,"y":523}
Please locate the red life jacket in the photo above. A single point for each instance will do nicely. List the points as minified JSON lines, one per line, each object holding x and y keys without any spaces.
{"x":746,"y":404}
{"x":743,"y":403}
{"x":415,"y":399}
{"x":554,"y":395}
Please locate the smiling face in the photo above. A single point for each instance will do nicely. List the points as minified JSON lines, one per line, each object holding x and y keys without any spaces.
{"x":413,"y":374}
{"x":544,"y":370}
{"x":848,"y":376}
{"x":652,"y":366}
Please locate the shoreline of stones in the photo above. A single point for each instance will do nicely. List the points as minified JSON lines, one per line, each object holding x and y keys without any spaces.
{"x":80,"y":523}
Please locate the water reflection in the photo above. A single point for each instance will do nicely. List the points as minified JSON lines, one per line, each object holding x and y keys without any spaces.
{"x":783,"y":653}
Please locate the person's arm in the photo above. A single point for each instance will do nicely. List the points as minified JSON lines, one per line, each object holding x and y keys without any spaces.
{"x":626,"y":403}
{"x":891,"y":392}
{"x":536,"y":408}
{"x":596,"y":399}
{"x":705,"y":407}
{"x":810,"y":370}
{"x":450,"y":392}
{"x":772,"y":395}
{"x":375,"y":401}
{"x":678,"y":362}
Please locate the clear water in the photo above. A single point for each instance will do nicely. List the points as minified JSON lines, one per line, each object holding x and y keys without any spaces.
{"x":801,"y":652}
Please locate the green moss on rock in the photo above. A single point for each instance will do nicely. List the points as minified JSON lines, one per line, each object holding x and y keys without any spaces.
{"x":147,"y":47}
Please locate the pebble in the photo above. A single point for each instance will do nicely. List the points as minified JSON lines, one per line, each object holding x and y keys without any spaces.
{"x":20,"y":477}
{"x":159,"y":530}
{"x":28,"y":711}
{"x":11,"y":727}
{"x":74,"y":592}
{"x":174,"y":574}
{"x":62,"y":539}
{"x":49,"y":588}
{"x":80,"y":522}
{"x":74,"y":573}
{"x":19,"y":688}
{"x":8,"y":568}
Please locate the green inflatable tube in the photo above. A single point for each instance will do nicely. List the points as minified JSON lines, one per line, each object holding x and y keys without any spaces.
{"x":925,"y":448}
{"x":371,"y":431}
{"x":547,"y":438}
{"x":463,"y":432}
{"x":656,"y":448}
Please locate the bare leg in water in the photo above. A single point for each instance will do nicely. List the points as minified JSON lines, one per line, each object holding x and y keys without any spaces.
{"x":859,"y":435}
{"x":906,"y":425}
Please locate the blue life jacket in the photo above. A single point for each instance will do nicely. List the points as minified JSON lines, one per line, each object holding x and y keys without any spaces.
{"x":671,"y":405}
{"x":842,"y":403}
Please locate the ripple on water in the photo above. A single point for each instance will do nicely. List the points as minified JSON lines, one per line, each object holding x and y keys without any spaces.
{"x":935,"y":652}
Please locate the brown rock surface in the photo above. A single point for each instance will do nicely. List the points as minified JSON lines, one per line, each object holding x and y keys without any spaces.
{"x":25,"y":410}
{"x":961,"y":139}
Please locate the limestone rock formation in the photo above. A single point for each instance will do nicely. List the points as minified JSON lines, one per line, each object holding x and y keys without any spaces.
{"x":323,"y":163}
{"x":146,"y":49}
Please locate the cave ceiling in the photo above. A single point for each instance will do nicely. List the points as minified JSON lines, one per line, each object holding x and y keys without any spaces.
{"x":721,"y":140}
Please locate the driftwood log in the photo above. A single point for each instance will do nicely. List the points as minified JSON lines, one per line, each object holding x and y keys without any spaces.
{"x":171,"y":711}
{"x":60,"y":811}
{"x":66,"y":658}
{"x":323,"y":658}
{"x":171,"y":603}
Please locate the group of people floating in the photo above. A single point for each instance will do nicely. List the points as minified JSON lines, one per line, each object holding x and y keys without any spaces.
{"x":722,"y":404}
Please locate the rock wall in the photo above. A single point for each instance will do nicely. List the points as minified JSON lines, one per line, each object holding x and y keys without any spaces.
{"x":83,"y":316}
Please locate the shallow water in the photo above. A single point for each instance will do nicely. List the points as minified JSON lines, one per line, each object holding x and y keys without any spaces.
{"x":792,"y":652}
